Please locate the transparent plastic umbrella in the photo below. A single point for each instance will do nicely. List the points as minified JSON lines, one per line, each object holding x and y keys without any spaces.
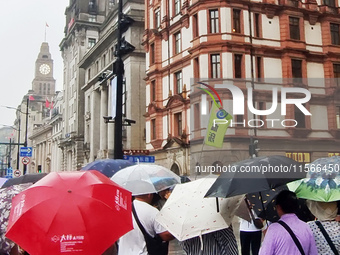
{"x":145,"y":178}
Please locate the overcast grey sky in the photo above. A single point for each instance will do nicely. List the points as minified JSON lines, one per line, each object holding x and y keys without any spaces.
{"x":22,"y":28}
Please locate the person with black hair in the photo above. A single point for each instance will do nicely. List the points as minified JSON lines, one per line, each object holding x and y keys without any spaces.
{"x":289,"y":235}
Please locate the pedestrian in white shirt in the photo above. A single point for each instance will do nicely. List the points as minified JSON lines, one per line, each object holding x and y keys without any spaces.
{"x":133,"y":242}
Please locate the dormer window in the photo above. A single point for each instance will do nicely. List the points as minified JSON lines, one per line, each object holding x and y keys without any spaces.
{"x":92,"y":7}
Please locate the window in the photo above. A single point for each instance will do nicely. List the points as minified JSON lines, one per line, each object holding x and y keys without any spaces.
{"x":111,"y":53}
{"x":299,"y":117}
{"x":197,"y":118}
{"x":335,"y":34}
{"x":153,"y":90}
{"x":259,"y":68}
{"x":177,"y":42}
{"x":195,"y":25}
{"x":336,"y":74}
{"x":97,"y":66}
{"x":337,"y":116}
{"x":294,"y":28}
{"x":238,"y":65}
{"x":91,"y":42}
{"x":215,"y":66}
{"x":261,"y":108}
{"x":177,"y":7}
{"x":178,"y":82}
{"x":293,"y":3}
{"x":111,"y":3}
{"x":157,"y":18}
{"x":152,"y":53}
{"x":257,"y":25}
{"x":89,"y":74}
{"x":297,"y":70}
{"x":236,"y":21}
{"x":104,"y":60}
{"x":196,"y":68}
{"x":214,"y":24}
{"x":217,"y":168}
{"x":92,"y":18}
{"x":239,"y":121}
{"x":153,"y":129}
{"x":178,"y":124}
{"x":330,"y":3}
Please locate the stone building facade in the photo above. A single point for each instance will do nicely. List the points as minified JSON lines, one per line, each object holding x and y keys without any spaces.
{"x":249,"y":44}
{"x":88,"y":52}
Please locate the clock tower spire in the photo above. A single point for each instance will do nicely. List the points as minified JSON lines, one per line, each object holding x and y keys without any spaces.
{"x":43,"y":82}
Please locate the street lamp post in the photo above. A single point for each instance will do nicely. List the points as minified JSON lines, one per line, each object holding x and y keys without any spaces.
{"x":118,"y":142}
{"x":25,"y":142}
{"x":19,"y":129}
{"x":18,"y":144}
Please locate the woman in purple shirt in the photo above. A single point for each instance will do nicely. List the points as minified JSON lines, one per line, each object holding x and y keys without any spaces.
{"x":278,"y":240}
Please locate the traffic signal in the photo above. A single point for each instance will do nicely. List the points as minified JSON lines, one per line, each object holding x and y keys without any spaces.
{"x":39,"y":169}
{"x":125,"y":22}
{"x":253,"y":150}
{"x":125,"y":48}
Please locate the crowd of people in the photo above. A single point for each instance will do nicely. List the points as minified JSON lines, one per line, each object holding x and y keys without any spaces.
{"x":288,"y":236}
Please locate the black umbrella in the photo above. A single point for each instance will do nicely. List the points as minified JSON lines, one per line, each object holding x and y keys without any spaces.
{"x":185,"y":179}
{"x":264,"y":202}
{"x":27,"y":178}
{"x":267,"y":210}
{"x":256,"y":174}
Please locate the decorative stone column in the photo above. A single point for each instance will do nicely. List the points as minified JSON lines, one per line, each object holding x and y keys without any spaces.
{"x":103,"y":126}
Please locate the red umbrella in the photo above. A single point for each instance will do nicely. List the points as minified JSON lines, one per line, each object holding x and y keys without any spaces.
{"x":70,"y":212}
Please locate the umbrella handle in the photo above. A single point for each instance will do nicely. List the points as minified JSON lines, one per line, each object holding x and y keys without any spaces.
{"x":217,"y":205}
{"x":201,"y":240}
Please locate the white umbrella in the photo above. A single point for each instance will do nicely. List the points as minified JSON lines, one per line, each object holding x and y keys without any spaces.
{"x":145,"y":178}
{"x":187,"y":214}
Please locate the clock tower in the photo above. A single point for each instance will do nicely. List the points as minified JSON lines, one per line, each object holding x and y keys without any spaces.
{"x":43,"y":82}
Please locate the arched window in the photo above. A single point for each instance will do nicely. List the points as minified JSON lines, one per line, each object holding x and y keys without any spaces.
{"x":175,"y":168}
{"x":218,"y":166}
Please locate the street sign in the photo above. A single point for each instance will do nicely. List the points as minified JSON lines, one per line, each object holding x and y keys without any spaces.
{"x":9,"y":172}
{"x":17,"y":173}
{"x":140,"y":158}
{"x":26,"y":152}
{"x":136,"y":152}
{"x":26,"y":160}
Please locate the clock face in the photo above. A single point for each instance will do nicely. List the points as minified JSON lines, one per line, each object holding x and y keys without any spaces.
{"x":44,"y":69}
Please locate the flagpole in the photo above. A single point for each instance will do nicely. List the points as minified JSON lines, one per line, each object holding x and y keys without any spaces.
{"x":46,"y":25}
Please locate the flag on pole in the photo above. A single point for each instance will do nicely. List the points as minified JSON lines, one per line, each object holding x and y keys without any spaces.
{"x":47,"y":103}
{"x":31,"y":98}
{"x":47,"y":24}
{"x":219,"y":122}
